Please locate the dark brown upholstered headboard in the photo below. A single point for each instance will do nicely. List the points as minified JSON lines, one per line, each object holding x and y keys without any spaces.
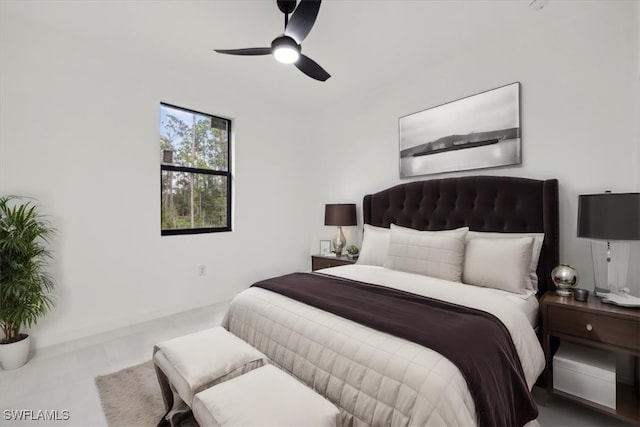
{"x":482,"y":203}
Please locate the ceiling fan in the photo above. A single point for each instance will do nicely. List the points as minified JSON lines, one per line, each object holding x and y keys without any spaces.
{"x":286,"y":48}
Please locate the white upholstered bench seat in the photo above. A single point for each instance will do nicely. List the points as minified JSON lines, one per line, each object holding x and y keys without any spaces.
{"x":264,"y":397}
{"x":194,"y":362}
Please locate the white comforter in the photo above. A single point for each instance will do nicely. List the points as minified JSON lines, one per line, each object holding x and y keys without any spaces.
{"x":373,"y":377}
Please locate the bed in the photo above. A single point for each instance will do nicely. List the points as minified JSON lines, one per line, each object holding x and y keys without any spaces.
{"x":382,"y":378}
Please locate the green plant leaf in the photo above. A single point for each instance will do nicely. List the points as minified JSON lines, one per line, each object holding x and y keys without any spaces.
{"x":25,"y":285}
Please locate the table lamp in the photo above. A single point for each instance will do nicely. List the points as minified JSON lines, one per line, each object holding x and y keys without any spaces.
{"x":342,"y":215}
{"x":614,"y":218}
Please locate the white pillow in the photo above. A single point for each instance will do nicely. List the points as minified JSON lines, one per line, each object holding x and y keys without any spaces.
{"x":375,"y":243}
{"x":498,"y":263}
{"x":532,"y":282}
{"x":430,"y":253}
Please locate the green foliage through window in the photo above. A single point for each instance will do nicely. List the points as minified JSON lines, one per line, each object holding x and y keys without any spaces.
{"x":195,"y":171}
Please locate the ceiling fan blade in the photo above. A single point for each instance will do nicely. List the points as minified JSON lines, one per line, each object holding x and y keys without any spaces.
{"x":302,"y":20}
{"x":311,"y":68}
{"x":249,"y":51}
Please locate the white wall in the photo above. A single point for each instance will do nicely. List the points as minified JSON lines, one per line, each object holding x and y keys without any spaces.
{"x":579,"y":117}
{"x":79,"y":132}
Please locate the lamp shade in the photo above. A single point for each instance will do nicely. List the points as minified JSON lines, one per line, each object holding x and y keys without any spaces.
{"x":609,"y":216}
{"x":340,"y":214}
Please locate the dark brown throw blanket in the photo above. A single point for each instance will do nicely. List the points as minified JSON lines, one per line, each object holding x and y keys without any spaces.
{"x":476,"y":342}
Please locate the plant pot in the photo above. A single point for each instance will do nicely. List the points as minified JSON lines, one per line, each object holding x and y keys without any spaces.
{"x":15,"y":354}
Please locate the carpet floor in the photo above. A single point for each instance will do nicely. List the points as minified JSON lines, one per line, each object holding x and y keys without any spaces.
{"x":131,"y":397}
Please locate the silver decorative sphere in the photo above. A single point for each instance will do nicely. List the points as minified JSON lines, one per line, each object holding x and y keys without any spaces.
{"x":565,"y":278}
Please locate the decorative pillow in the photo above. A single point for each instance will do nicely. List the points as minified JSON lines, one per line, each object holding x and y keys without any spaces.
{"x":538,"y":239}
{"x":430,"y":253}
{"x":375,"y":245}
{"x":498,"y":263}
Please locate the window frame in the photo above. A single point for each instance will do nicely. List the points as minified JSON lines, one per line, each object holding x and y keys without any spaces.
{"x":187,"y":169}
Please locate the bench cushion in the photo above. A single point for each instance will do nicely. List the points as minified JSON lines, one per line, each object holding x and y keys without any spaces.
{"x":266,"y":396}
{"x":197,"y":361}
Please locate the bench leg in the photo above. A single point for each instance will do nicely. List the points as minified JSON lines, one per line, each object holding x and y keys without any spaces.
{"x":178,"y":417}
{"x":175,"y":414}
{"x":167,"y":395}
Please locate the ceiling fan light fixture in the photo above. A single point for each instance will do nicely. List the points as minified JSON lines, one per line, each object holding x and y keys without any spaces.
{"x":286,"y":55}
{"x":285,"y":50}
{"x":286,"y":47}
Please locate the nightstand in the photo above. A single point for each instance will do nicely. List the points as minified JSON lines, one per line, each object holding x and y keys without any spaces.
{"x":593,"y":324}
{"x":325,"y":261}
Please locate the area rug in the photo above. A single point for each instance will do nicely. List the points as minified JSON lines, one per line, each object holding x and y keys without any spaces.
{"x":131,"y":397}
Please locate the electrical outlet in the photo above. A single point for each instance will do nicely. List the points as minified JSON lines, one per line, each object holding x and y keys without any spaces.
{"x":202,"y":270}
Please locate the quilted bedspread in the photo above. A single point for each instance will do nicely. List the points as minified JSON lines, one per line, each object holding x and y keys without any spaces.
{"x":373,"y":377}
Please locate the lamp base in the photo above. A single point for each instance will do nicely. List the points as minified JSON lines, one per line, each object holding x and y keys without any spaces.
{"x":610,"y":266}
{"x":339,"y":242}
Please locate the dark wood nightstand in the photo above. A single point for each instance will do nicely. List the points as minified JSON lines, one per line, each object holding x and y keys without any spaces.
{"x":593,"y":324}
{"x":325,"y":261}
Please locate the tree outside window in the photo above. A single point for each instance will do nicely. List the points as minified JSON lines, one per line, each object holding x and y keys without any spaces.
{"x":195,"y":171}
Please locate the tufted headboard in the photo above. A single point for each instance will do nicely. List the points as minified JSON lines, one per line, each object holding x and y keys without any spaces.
{"x":482,"y":203}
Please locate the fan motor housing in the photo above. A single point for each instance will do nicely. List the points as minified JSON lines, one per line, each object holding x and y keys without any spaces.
{"x":285,"y":41}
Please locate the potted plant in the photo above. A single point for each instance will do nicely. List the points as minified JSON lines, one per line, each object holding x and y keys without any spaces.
{"x":353,"y":252}
{"x":25,"y":285}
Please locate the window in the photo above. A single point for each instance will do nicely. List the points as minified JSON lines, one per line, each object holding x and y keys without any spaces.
{"x":194,"y":171}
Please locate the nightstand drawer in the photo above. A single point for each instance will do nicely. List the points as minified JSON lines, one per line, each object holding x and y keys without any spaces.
{"x":594,"y":326}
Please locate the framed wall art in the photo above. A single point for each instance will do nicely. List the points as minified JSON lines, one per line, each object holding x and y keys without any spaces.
{"x":476,"y":132}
